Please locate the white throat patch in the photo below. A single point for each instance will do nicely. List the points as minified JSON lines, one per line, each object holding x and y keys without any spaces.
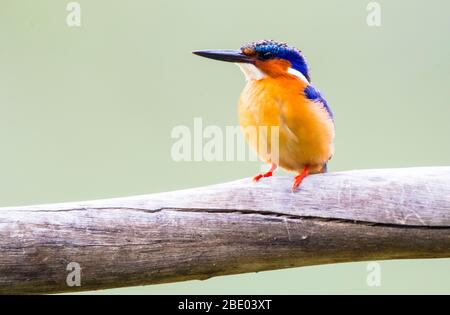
{"x":251,"y":72}
{"x":298,"y":74}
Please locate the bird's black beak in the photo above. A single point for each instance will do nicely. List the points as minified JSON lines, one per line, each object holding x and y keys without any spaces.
{"x":225,"y":55}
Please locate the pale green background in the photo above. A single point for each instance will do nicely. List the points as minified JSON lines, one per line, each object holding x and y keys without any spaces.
{"x":86,"y":113}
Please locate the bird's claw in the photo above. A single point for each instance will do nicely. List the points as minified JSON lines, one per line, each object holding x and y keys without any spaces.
{"x":299,"y":179}
{"x":259,"y":176}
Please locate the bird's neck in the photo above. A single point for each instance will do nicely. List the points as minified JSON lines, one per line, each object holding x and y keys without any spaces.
{"x":274,"y":70}
{"x":251,"y":72}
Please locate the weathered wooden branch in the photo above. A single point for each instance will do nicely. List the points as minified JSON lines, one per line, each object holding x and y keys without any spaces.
{"x":227,"y":229}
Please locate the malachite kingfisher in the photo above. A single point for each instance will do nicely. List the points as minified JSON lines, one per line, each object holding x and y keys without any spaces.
{"x":279,"y":93}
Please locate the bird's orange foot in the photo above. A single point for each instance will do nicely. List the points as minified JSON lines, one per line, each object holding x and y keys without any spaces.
{"x":299,"y":178}
{"x":259,"y":176}
{"x":269,"y":173}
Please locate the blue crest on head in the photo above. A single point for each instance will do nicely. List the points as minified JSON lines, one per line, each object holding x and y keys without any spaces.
{"x":269,"y":49}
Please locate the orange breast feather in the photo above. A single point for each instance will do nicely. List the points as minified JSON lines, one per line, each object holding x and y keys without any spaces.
{"x":306,"y":131}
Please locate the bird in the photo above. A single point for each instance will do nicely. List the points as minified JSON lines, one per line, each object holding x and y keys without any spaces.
{"x":279,"y":93}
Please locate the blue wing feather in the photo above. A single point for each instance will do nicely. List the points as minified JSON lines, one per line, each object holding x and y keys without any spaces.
{"x":314,"y":95}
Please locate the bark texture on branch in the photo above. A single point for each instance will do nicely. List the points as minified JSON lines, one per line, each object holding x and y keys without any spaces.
{"x":228,"y":228}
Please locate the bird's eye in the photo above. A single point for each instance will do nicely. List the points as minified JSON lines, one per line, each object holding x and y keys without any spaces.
{"x":266,"y":55}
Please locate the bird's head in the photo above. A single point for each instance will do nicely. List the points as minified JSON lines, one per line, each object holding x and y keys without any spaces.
{"x":263,"y":58}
